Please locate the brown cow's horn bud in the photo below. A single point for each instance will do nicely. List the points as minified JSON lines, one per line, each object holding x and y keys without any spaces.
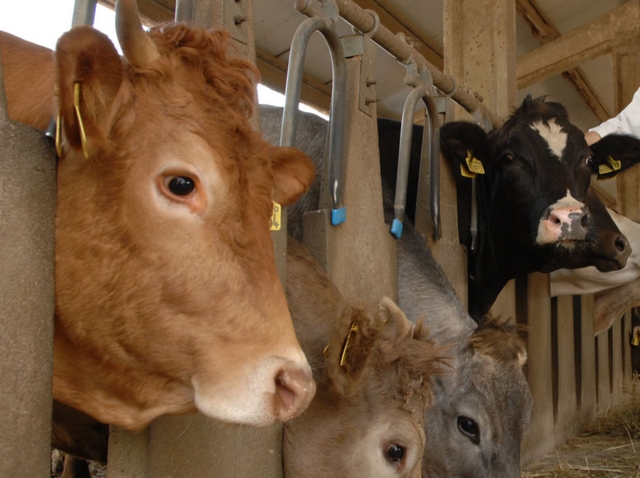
{"x":138,"y":48}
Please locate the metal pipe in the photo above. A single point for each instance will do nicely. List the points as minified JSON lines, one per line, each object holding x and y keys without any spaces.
{"x":361,"y":20}
{"x":325,"y":26}
{"x":402,"y":179}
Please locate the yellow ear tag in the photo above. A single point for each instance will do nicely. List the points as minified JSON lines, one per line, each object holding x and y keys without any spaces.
{"x":275,"y":223}
{"x":59,"y":135}
{"x":343,"y":357}
{"x":636,"y":340}
{"x":76,"y":105}
{"x":612,"y":165}
{"x":473,"y":166}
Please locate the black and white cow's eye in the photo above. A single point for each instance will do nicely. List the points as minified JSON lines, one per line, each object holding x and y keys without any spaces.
{"x":180,"y":185}
{"x":506,"y":158}
{"x":589,"y":161}
{"x":469,"y":428}
{"x":394,"y":453}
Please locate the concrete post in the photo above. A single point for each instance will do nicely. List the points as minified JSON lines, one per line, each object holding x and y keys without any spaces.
{"x":470,"y":34}
{"x":27,"y":210}
{"x":359,"y":255}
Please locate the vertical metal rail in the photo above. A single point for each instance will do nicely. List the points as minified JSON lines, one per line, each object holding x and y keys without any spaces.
{"x":322,"y":19}
{"x":423,"y":89}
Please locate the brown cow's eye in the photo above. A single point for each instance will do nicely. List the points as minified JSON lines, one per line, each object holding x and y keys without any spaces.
{"x":181,"y":185}
{"x":395,"y":453}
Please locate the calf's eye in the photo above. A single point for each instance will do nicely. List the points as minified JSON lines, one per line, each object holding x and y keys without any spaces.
{"x":469,"y":428}
{"x":394,"y":453}
{"x":180,"y":185}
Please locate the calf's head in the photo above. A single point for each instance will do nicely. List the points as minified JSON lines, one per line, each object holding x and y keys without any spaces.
{"x":537,"y":211}
{"x":373,"y":388}
{"x":168,"y":298}
{"x":482,"y":408}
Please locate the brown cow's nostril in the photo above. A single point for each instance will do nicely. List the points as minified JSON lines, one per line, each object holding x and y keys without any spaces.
{"x":294,"y":390}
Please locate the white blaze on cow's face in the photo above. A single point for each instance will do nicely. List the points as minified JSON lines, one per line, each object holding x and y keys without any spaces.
{"x":552,"y":133}
{"x":564,"y":222}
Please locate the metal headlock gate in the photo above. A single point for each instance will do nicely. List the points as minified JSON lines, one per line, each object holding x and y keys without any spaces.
{"x":570,"y":383}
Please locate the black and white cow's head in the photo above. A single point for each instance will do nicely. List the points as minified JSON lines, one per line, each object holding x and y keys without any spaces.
{"x":536,"y":209}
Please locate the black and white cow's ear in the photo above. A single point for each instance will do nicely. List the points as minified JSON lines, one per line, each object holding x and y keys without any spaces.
{"x":614,"y":153}
{"x":467,"y":147}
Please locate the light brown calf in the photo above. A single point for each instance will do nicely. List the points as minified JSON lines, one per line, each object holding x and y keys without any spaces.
{"x":168,"y":299}
{"x":373,"y":373}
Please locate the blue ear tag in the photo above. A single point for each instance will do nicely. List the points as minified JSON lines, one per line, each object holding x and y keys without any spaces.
{"x":338,"y":216}
{"x":396,"y":229}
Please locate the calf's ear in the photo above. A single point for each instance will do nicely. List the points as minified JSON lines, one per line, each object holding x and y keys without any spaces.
{"x":466,"y":146}
{"x":614,"y":153}
{"x":89,"y":73}
{"x":293,"y":173}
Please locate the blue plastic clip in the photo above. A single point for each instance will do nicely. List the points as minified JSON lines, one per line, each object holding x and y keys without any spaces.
{"x":396,"y":228}
{"x":338,"y":216}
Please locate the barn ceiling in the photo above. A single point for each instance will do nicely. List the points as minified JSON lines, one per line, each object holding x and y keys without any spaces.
{"x":585,"y":86}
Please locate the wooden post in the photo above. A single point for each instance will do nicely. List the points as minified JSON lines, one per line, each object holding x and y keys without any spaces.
{"x":567,"y":405}
{"x":540,"y":438}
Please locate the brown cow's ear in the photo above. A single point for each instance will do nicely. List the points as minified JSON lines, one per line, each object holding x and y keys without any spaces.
{"x":293,"y":173}
{"x":89,"y":73}
{"x":348,"y":353}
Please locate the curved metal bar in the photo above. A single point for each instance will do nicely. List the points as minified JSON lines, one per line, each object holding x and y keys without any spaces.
{"x":335,"y":159}
{"x":406,"y":133}
{"x":402,"y":178}
{"x":294,"y":77}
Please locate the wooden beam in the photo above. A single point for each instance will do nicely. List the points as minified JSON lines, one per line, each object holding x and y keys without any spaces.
{"x":544,"y":30}
{"x":618,"y":27}
{"x":541,"y":26}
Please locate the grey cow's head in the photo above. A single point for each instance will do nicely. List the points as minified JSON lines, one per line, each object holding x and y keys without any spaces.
{"x":482,"y":410}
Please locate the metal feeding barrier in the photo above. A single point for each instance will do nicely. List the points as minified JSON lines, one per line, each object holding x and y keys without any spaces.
{"x":322,"y":19}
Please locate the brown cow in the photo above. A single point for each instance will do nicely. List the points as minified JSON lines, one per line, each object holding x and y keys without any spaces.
{"x":373,"y":374}
{"x":167,"y":296}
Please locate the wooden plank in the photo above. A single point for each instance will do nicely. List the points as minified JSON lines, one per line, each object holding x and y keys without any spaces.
{"x":618,"y":27}
{"x":544,"y":30}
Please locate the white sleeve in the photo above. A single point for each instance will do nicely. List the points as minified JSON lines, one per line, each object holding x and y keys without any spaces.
{"x":628,"y":121}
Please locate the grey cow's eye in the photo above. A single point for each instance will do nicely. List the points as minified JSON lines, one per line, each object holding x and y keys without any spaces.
{"x":394,"y":453}
{"x":181,"y":185}
{"x":469,"y":427}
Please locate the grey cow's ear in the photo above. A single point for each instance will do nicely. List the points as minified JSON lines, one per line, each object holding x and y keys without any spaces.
{"x":614,"y":153}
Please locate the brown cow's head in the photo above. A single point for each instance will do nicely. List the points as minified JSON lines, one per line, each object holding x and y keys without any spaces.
{"x":167,"y":293}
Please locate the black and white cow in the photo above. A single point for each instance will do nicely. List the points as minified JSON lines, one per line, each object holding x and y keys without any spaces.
{"x":536,"y":211}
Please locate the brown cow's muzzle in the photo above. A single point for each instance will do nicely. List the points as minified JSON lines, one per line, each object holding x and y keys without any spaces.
{"x":295,"y":389}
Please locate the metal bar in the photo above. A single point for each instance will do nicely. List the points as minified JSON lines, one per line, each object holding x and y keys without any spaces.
{"x":325,"y":26}
{"x":406,"y":132}
{"x":84,"y":12}
{"x":364,"y":22}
